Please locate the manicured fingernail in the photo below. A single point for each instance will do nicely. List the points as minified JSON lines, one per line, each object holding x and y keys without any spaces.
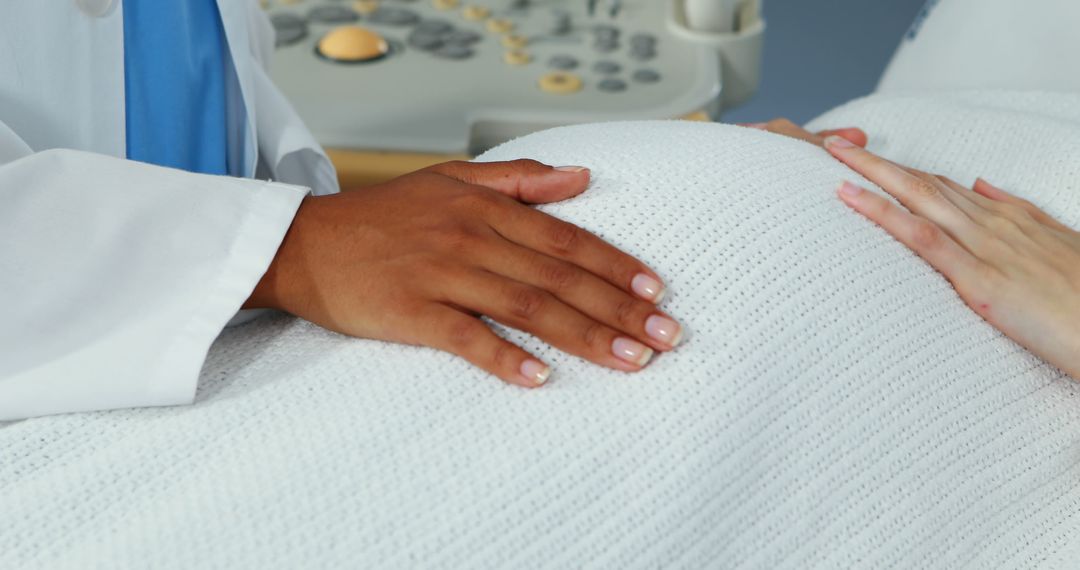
{"x":849,"y":189}
{"x":648,"y":288}
{"x":836,"y":141}
{"x":535,"y":371}
{"x":571,"y":168}
{"x":664,"y":330}
{"x":631,"y":351}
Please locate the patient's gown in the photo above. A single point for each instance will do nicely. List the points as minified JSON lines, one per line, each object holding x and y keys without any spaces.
{"x":835,"y":405}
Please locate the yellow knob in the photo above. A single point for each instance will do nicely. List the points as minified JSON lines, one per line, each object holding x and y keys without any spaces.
{"x":365,"y":6}
{"x":446,"y":4}
{"x":475,"y":13}
{"x":517,"y":57}
{"x":352,"y":44}
{"x":499,"y":26}
{"x":514,"y":42}
{"x":561,"y":83}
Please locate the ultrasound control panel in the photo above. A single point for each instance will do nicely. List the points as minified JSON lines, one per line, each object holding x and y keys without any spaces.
{"x":461,"y":76}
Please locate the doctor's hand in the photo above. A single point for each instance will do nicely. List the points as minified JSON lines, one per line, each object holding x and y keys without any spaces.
{"x":421,"y":258}
{"x":790,"y":129}
{"x":1008,"y":260}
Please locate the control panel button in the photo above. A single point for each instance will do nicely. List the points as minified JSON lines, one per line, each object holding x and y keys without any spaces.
{"x":462,"y":37}
{"x":646,"y":76}
{"x":394,"y":17}
{"x":642,"y":53}
{"x":512,"y":41}
{"x":606,"y":67}
{"x":332,"y":14}
{"x":517,"y":57}
{"x":563,"y":23}
{"x":288,"y":28}
{"x":648,"y":40}
{"x":475,"y":13}
{"x":353,"y":44}
{"x":605,"y":31}
{"x":606,"y":46}
{"x":561,"y":83}
{"x":499,"y":25}
{"x":434,"y":27}
{"x":611,"y":85}
{"x":365,"y":7}
{"x":424,"y":41}
{"x":289,"y":36}
{"x":563,"y":62}
{"x":450,"y":51}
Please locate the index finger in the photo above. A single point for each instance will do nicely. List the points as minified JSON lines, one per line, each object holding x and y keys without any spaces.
{"x":563,"y":240}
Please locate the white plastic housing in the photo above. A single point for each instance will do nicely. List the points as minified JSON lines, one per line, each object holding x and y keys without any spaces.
{"x":739,"y":50}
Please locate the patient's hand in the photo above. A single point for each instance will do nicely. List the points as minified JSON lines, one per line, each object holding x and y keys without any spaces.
{"x":790,"y":129}
{"x":1010,"y":262}
{"x":419,"y":259}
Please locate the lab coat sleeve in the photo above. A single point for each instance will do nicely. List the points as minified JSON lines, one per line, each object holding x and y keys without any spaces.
{"x":116,"y":276}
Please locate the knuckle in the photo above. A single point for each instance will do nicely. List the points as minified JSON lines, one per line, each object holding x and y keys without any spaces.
{"x":883,"y":210}
{"x":503,"y":355}
{"x":526,"y":302}
{"x":564,"y":238}
{"x":463,"y":334}
{"x":924,"y":188}
{"x":926,"y":235}
{"x":458,"y":238}
{"x":592,"y":335}
{"x":628,"y":314}
{"x":559,"y":277}
{"x":1005,"y":222}
{"x":526,"y":165}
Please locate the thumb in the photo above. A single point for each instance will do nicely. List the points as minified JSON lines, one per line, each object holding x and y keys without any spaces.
{"x":528,"y":181}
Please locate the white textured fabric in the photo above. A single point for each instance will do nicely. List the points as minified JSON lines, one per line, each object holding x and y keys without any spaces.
{"x":835,"y":405}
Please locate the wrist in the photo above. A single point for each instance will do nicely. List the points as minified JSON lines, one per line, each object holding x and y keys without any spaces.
{"x":271,"y":290}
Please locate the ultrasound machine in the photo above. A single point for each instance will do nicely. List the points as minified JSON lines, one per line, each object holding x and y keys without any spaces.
{"x":389,"y":86}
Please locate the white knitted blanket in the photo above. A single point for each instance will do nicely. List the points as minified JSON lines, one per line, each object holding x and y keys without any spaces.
{"x":835,"y":405}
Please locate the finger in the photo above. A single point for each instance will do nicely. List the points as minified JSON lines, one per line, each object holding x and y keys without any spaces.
{"x":922,"y":196}
{"x":984,"y":188}
{"x":966,"y":192}
{"x":527,"y":181}
{"x":856,"y":136}
{"x":538,"y":312}
{"x":468,"y":337}
{"x":788,"y":129}
{"x":556,"y":238}
{"x":920,"y":235}
{"x":959,"y":196}
{"x":585,"y":292}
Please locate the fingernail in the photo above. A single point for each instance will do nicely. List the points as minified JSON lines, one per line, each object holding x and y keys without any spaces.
{"x":571,"y":168}
{"x":849,"y":189}
{"x":836,"y":141}
{"x":535,"y":371}
{"x":631,"y":351}
{"x":664,"y":330}
{"x":648,"y":288}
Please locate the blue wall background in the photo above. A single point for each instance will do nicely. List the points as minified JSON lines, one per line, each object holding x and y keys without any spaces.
{"x":820,"y":53}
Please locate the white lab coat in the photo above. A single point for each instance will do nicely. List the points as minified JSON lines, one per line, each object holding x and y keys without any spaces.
{"x":115,"y":277}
